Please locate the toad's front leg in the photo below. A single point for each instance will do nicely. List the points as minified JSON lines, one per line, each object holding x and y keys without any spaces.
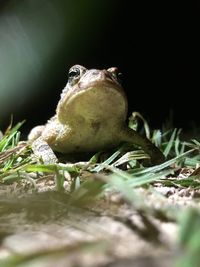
{"x":156,"y":156}
{"x":43,"y":151}
{"x":40,"y":147}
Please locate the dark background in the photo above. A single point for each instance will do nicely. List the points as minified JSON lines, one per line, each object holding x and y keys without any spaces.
{"x":153,"y":44}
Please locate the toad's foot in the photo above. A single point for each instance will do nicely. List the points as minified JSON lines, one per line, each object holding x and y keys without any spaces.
{"x":43,"y":151}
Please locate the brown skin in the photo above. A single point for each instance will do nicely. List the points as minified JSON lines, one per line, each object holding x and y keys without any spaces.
{"x":91,"y":116}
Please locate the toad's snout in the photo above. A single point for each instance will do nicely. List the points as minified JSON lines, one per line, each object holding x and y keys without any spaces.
{"x":97,"y":75}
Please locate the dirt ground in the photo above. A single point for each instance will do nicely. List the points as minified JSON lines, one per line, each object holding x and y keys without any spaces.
{"x":42,"y":230}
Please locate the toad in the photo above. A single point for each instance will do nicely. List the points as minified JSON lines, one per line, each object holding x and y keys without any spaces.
{"x":91,"y":116}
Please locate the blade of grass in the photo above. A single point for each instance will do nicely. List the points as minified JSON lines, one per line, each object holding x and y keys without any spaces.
{"x":170,"y":143}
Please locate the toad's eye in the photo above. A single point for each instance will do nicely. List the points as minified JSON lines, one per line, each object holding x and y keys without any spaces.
{"x":116,"y":74}
{"x":73,"y":74}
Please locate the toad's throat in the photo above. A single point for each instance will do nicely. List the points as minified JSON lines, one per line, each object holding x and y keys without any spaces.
{"x":97,"y":103}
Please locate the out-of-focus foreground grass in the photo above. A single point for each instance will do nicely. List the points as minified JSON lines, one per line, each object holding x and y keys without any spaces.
{"x":120,"y":171}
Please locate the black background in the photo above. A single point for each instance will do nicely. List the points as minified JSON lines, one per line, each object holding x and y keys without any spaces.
{"x":155,"y":46}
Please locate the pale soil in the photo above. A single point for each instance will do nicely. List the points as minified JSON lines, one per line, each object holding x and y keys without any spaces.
{"x":109,"y":233}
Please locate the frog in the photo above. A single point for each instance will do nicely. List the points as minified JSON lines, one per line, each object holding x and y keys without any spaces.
{"x":91,"y":116}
